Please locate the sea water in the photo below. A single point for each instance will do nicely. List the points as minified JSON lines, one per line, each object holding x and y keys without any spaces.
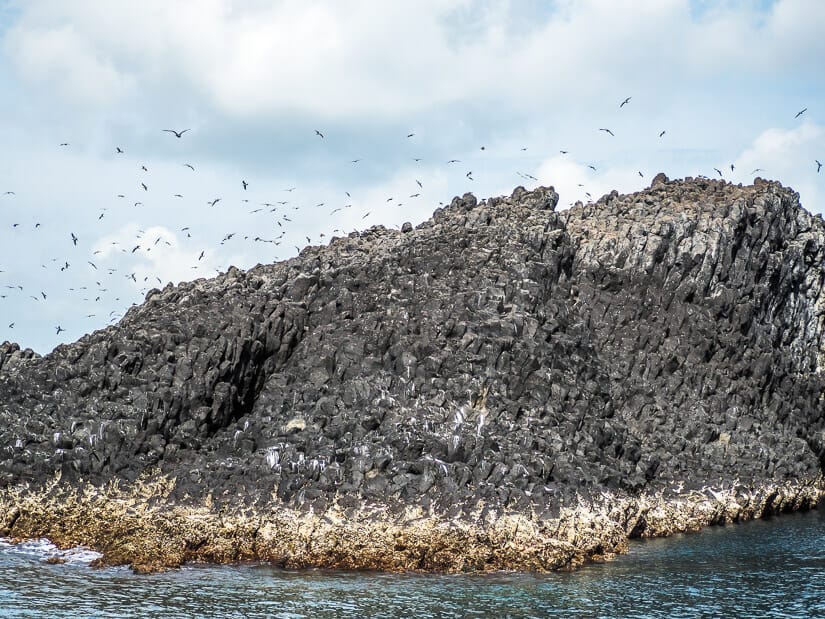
{"x":768,"y":568}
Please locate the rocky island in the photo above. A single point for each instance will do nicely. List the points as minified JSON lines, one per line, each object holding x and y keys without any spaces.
{"x":504,"y":386}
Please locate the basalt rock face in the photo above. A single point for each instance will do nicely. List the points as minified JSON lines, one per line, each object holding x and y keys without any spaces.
{"x":499,"y":354}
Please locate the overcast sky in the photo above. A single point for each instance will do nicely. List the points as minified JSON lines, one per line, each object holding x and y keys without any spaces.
{"x":397,"y":89}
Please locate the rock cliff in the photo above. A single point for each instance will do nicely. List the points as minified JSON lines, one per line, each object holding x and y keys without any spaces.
{"x":503,"y":376}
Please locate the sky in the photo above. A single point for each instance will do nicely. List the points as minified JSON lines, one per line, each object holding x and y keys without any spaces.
{"x":340,"y":115}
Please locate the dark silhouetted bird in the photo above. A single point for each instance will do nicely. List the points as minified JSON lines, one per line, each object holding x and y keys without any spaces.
{"x":818,"y":165}
{"x":801,"y":112}
{"x":607,"y":131}
{"x":318,"y":133}
{"x":178,"y":134}
{"x":245,"y":185}
{"x":625,"y":102}
{"x":74,"y":238}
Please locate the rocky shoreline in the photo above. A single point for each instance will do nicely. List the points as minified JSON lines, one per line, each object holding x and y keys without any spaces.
{"x":142,"y":529}
{"x":503,"y":386}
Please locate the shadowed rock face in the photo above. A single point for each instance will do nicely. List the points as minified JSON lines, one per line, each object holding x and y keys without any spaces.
{"x":500,"y":351}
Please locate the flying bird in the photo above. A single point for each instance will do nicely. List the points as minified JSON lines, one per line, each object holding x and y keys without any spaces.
{"x":592,"y":167}
{"x":818,"y":165}
{"x":755,"y":170}
{"x":318,"y":133}
{"x":189,"y":165}
{"x":662,"y":133}
{"x":409,"y":135}
{"x":731,"y":167}
{"x":119,"y":149}
{"x":607,"y":131}
{"x":719,"y":171}
{"x":623,"y":103}
{"x":59,"y":329}
{"x":74,"y":239}
{"x":178,"y":134}
{"x":245,"y":185}
{"x":214,"y":202}
{"x":145,"y":188}
{"x":801,"y":112}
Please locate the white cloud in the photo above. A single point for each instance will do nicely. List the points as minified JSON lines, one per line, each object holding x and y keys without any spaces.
{"x":788,"y":155}
{"x":359,"y":58}
{"x":252,"y":78}
{"x":155,"y":256}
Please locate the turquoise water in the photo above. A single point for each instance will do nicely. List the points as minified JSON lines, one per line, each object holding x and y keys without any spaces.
{"x":773,"y":568}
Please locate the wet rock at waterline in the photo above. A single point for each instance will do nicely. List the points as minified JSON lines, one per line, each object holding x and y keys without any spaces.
{"x":500,"y":360}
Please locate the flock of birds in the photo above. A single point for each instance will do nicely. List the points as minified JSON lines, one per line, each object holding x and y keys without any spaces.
{"x":96,"y":294}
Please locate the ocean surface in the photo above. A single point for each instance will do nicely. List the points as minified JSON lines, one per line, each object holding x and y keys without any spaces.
{"x":771,"y":568}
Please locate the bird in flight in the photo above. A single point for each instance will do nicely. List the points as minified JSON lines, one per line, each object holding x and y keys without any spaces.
{"x":719,"y":171}
{"x":409,"y":135}
{"x":190,"y":166}
{"x":145,"y":188}
{"x":662,"y":133}
{"x":454,"y":161}
{"x":214,"y":202}
{"x":625,"y":102}
{"x":119,"y":150}
{"x":755,"y":170}
{"x":563,"y":152}
{"x":731,"y":167}
{"x":64,"y":143}
{"x":9,"y":193}
{"x":801,"y":112}
{"x":318,"y":133}
{"x":74,"y":238}
{"x":178,"y":134}
{"x":592,"y":167}
{"x":59,"y":329}
{"x":245,"y":185}
{"x":818,"y":165}
{"x":607,"y":131}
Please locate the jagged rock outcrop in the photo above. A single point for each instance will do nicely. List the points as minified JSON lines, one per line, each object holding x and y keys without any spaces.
{"x":501,"y":357}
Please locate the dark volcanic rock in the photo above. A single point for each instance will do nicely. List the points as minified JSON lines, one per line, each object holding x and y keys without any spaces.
{"x":500,"y":352}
